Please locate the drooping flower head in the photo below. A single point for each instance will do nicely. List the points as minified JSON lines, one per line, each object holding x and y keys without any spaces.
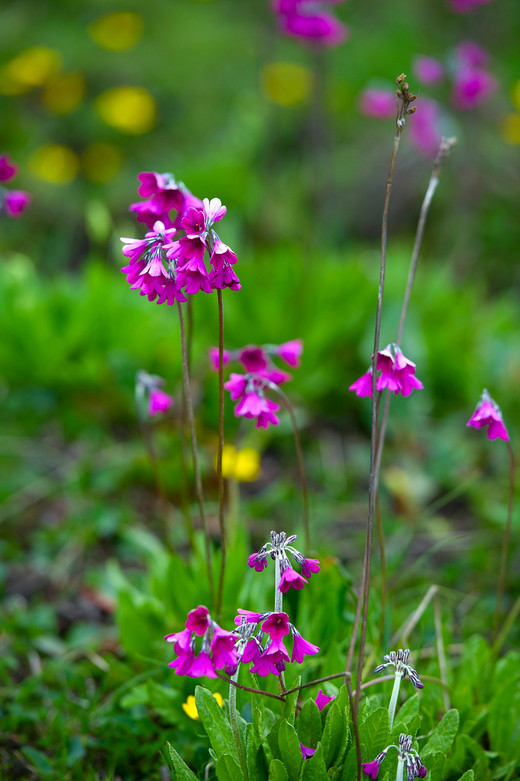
{"x":202,"y":657}
{"x":408,"y":756}
{"x":12,"y":202}
{"x":277,"y":549}
{"x":150,"y":396}
{"x":488,"y":413}
{"x":395,"y":372}
{"x":399,"y":660}
{"x":310,"y":20}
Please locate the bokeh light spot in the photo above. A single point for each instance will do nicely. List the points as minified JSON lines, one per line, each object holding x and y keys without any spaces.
{"x":118,"y":31}
{"x":286,"y":83}
{"x":128,"y":109}
{"x":510,"y":128}
{"x":54,"y":163}
{"x":64,"y":93}
{"x":33,"y":67}
{"x":100,"y":162}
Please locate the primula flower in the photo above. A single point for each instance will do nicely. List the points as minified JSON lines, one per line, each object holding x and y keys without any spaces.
{"x":217,"y":648}
{"x":472,"y":54}
{"x":372,"y":769}
{"x":158,"y":402}
{"x":428,"y":70}
{"x":487,"y":413}
{"x":399,"y":661}
{"x":7,"y":169}
{"x":276,"y":626}
{"x":291,"y":352}
{"x":395,"y":373}
{"x":301,"y":647}
{"x":307,"y":752}
{"x":15,"y":202}
{"x":472,"y":87}
{"x":290,"y":579}
{"x":323,"y":699}
{"x":378,"y":103}
{"x":277,"y":549}
{"x":408,"y":756}
{"x":309,"y":20}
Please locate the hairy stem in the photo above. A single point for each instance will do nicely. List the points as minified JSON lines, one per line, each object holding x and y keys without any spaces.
{"x":185,"y":501}
{"x":398,"y":677}
{"x":194,"y":450}
{"x":505,"y":542}
{"x":220,"y":477}
{"x":400,"y":769}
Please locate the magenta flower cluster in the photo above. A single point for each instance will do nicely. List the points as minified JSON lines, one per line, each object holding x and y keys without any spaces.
{"x":12,"y":202}
{"x":215,"y":651}
{"x":310,"y":20}
{"x":148,"y":388}
{"x":395,"y":372}
{"x":165,"y":265}
{"x":262,"y":642}
{"x":249,"y":389}
{"x":277,"y":549}
{"x":488,"y":413}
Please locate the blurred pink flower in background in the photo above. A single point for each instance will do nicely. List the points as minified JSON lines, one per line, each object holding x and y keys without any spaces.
{"x":378,"y":103}
{"x":428,"y":70}
{"x":466,"y":6}
{"x":423,"y":130}
{"x":308,"y":19}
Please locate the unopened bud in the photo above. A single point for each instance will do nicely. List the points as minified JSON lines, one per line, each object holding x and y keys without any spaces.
{"x":400,"y":78}
{"x":412,"y":110}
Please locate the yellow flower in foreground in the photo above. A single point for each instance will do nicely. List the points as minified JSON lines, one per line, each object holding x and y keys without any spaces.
{"x":64,"y":93}
{"x":128,"y":109}
{"x":286,"y":83}
{"x":118,"y":31}
{"x":510,"y":128}
{"x":190,"y":709}
{"x":241,"y":465}
{"x":100,"y":161}
{"x":54,"y":163}
{"x":31,"y":68}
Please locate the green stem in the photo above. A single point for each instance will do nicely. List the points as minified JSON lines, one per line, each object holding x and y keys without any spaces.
{"x":234,"y":725}
{"x":400,"y":769}
{"x":393,"y":699}
{"x":505,"y":542}
{"x":220,"y":477}
{"x":194,"y":451}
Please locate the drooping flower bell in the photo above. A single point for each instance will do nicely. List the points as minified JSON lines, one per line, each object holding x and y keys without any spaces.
{"x":277,"y":550}
{"x":149,"y":395}
{"x":395,"y":372}
{"x":488,"y":413}
{"x":215,"y":651}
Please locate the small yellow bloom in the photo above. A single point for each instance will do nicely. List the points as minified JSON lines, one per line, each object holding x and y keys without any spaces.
{"x":64,"y":93}
{"x":241,"y":465}
{"x":128,"y":109}
{"x":286,"y":83}
{"x":54,"y":163}
{"x":100,"y":162}
{"x":510,"y":128}
{"x":118,"y":31}
{"x":190,"y":709}
{"x":33,"y":67}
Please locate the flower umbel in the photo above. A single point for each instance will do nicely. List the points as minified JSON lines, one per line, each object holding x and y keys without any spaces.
{"x":277,"y":549}
{"x":216,"y":649}
{"x":395,"y":372}
{"x":399,"y":660}
{"x":488,"y":413}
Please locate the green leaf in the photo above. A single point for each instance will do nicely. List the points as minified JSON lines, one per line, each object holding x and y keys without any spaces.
{"x":314,"y":768}
{"x":469,"y":775}
{"x":408,"y":709}
{"x":289,"y":708}
{"x":335,"y":735}
{"x":504,"y":722}
{"x":40,"y":762}
{"x":215,"y":722}
{"x":178,"y":766}
{"x":309,"y":724}
{"x":410,"y":729}
{"x":434,"y":763}
{"x":228,"y":769}
{"x":289,"y":748}
{"x":263,"y":720}
{"x":444,"y":735}
{"x":373,"y":732}
{"x":277,"y":771}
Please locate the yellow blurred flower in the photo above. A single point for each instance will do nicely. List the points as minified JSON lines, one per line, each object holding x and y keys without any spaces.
{"x":241,"y":465}
{"x":286,"y":83}
{"x":64,"y":93}
{"x":100,"y":161}
{"x":515,"y":95}
{"x":510,"y":128}
{"x":33,"y":67}
{"x":54,"y":163}
{"x":190,"y":709}
{"x":118,"y":31}
{"x":128,"y":109}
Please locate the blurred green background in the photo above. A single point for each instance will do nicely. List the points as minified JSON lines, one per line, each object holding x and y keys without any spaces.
{"x":91,"y":93}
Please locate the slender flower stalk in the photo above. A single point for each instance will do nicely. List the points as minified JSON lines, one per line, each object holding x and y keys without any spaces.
{"x":404,"y":98}
{"x":194,"y":450}
{"x":398,"y":660}
{"x":400,"y":769}
{"x":505,"y":542}
{"x":220,"y":477}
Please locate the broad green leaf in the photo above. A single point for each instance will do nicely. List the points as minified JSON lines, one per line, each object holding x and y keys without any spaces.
{"x":373,"y":733}
{"x":289,"y":708}
{"x":408,"y":709}
{"x":504,"y":722}
{"x":228,"y":769}
{"x":309,"y":724}
{"x":410,"y":728}
{"x":255,"y":757}
{"x":469,"y":775}
{"x":263,"y":719}
{"x":40,"y":761}
{"x":335,"y":734}
{"x":314,"y":768}
{"x":465,"y":751}
{"x":215,"y":722}
{"x":277,"y":771}
{"x":177,"y":765}
{"x":434,"y":763}
{"x":289,"y":748}
{"x":444,"y":735}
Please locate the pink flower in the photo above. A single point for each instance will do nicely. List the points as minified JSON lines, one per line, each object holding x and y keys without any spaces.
{"x":291,"y":579}
{"x":371,"y":769}
{"x":363,"y":385}
{"x":323,"y":699}
{"x":302,"y":648}
{"x":309,"y":566}
{"x":276,"y":626}
{"x":159,"y":401}
{"x":472,"y":86}
{"x":201,"y":667}
{"x":488,"y":414}
{"x":377,"y":103}
{"x":250,"y":616}
{"x":272,"y":660}
{"x":253,"y":359}
{"x":307,"y":752}
{"x":15,"y":202}
{"x":396,"y":373}
{"x":258,"y":562}
{"x":227,"y":356}
{"x":290,"y":352}
{"x":181,"y":640}
{"x":307,"y":19}
{"x":466,"y":6}
{"x":223,"y":648}
{"x":470,"y":53}
{"x":198,"y":620}
{"x":423,"y":131}
{"x":252,"y":651}
{"x":236,"y":385}
{"x":7,"y":169}
{"x":428,"y":70}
